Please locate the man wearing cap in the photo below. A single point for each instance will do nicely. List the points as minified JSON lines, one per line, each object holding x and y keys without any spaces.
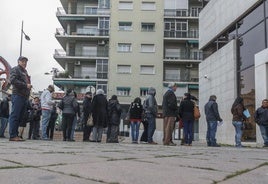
{"x":21,"y":84}
{"x":46,"y":105}
{"x":170,"y":112}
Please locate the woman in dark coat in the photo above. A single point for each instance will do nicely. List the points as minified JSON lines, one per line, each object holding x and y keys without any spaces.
{"x":87,"y":110}
{"x":99,"y":114}
{"x":135,"y":116}
{"x":114,"y":113}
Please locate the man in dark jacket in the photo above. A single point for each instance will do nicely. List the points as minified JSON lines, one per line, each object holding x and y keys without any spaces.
{"x":21,"y":83}
{"x":170,"y":112}
{"x":212,"y":116}
{"x":4,"y":115}
{"x":87,"y":110}
{"x":261,"y":118}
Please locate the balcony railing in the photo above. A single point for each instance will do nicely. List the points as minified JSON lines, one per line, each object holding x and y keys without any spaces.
{"x":181,"y":34}
{"x":184,"y":55}
{"x":87,"y":32}
{"x":100,"y":53}
{"x":85,"y":11}
{"x":182,"y":12}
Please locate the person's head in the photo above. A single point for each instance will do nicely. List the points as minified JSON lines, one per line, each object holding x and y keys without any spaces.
{"x":212,"y":98}
{"x":69,"y":92}
{"x":36,"y":100}
{"x":22,"y":61}
{"x":51,"y":88}
{"x":172,"y":86}
{"x":100,"y":92}
{"x":151,"y":91}
{"x":88,"y":94}
{"x":137,"y":100}
{"x":265,"y":103}
{"x":187,"y":96}
{"x":114,"y":97}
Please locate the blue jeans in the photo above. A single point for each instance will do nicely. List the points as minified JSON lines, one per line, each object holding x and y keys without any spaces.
{"x":264,"y":133}
{"x":19,"y":104}
{"x":45,"y":120}
{"x":238,"y":132}
{"x":135,"y":128}
{"x":188,"y":131}
{"x":151,"y":126}
{"x":211,"y":133}
{"x":4,"y":122}
{"x":73,"y":127}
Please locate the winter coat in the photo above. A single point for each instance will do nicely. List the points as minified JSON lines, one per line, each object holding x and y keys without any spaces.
{"x":211,"y":111}
{"x":46,"y":100}
{"x":87,"y":108}
{"x":4,"y":108}
{"x":237,"y":112}
{"x":19,"y":79}
{"x":36,"y":112}
{"x":135,"y":111}
{"x":150,"y":104}
{"x":100,"y":111}
{"x":186,"y":110}
{"x":70,"y":105}
{"x":261,"y":116}
{"x":169,"y":105}
{"x":114,"y":112}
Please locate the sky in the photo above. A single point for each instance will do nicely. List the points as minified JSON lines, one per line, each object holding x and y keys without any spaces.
{"x":40,"y":23}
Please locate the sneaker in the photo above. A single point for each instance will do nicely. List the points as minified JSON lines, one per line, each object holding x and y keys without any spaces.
{"x":152,"y":142}
{"x":16,"y":139}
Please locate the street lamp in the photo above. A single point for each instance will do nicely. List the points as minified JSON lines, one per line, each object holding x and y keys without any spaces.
{"x":21,"y":37}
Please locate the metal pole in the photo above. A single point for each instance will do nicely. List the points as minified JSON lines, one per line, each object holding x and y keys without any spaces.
{"x":21,"y":37}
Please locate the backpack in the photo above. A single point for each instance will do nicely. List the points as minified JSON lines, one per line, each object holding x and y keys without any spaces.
{"x":197,"y":114}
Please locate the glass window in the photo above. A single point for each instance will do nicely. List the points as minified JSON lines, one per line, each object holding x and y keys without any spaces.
{"x":102,"y":68}
{"x":148,"y":6}
{"x":146,"y":69}
{"x":124,"y":47}
{"x":147,"y":48}
{"x":125,"y":26}
{"x":104,"y":3}
{"x":172,"y":74}
{"x":123,"y":69}
{"x":144,"y":91}
{"x":123,"y":91}
{"x":147,"y":26}
{"x":125,"y":5}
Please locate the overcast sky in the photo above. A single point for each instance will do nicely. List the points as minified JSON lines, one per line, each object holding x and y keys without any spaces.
{"x":40,"y":23}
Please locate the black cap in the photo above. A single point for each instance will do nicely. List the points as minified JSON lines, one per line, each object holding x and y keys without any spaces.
{"x":88,"y":93}
{"x":22,"y":58}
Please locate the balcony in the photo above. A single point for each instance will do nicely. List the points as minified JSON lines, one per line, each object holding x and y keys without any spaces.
{"x":192,"y":34}
{"x":100,"y":53}
{"x":183,"y":13}
{"x":85,"y":11}
{"x":83,"y":31}
{"x":172,"y":55}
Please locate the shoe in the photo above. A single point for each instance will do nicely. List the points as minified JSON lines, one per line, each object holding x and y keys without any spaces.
{"x":85,"y":140}
{"x":215,"y":145}
{"x":92,"y":141}
{"x":152,"y":142}
{"x":16,"y":139}
{"x":265,"y":146}
{"x":189,"y":144}
{"x":2,"y":136}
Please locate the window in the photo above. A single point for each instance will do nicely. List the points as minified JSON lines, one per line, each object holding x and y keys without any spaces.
{"x":102,"y":68}
{"x":123,"y":69}
{"x":172,"y":74}
{"x":195,"y":11}
{"x":102,"y":85}
{"x":123,"y":91}
{"x":143,"y":91}
{"x":148,"y":6}
{"x":89,"y":51}
{"x":104,"y":3}
{"x":125,"y":26}
{"x":147,"y":26}
{"x":90,"y":10}
{"x":124,"y":47}
{"x":125,"y":5}
{"x":147,"y":48}
{"x":146,"y":69}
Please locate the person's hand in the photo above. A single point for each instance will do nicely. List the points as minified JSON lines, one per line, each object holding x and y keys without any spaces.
{"x":29,"y":86}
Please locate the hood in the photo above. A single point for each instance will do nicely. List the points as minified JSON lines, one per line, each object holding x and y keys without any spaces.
{"x":151,"y":91}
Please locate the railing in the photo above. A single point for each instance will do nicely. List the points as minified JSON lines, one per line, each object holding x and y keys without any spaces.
{"x":100,"y":53}
{"x":184,"y":56}
{"x":181,"y":34}
{"x":182,"y":12}
{"x":87,"y":11}
{"x":90,"y":32}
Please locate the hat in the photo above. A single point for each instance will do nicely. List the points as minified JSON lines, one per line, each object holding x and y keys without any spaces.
{"x":22,"y":58}
{"x":88,"y":93}
{"x":171,"y":84}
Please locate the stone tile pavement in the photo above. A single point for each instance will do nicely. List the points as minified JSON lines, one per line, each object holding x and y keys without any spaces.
{"x":42,"y":162}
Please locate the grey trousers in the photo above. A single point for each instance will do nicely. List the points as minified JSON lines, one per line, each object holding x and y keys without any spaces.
{"x":97,"y":133}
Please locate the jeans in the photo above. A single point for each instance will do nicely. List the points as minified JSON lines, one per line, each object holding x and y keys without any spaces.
{"x":135,"y":128}
{"x":97,"y":133}
{"x":151,"y":126}
{"x":211,"y":133}
{"x":238,"y":132}
{"x":67,"y":124}
{"x":73,"y":127}
{"x":45,"y":120}
{"x":19,"y":104}
{"x":264,"y":133}
{"x":188,"y":126}
{"x":4,"y":122}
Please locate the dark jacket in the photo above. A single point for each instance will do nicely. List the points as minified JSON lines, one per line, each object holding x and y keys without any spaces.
{"x":135,"y":111}
{"x":36,"y":112}
{"x":186,"y":110}
{"x":237,"y":112}
{"x":261,"y":116}
{"x":169,"y":105}
{"x":70,"y":105}
{"x":19,"y":79}
{"x":211,"y":111}
{"x":100,"y":110}
{"x":4,"y":108}
{"x":87,"y":108}
{"x":114,"y":112}
{"x":150,"y":104}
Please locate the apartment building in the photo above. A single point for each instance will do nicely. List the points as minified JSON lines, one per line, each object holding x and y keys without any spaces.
{"x":126,"y":46}
{"x":233,"y":37}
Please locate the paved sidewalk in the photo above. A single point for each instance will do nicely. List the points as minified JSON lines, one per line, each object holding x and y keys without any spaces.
{"x":42,"y":162}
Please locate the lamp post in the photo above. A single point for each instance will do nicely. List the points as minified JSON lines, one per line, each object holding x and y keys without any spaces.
{"x":21,"y":37}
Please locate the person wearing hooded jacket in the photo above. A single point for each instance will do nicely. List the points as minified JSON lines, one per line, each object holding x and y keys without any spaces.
{"x":114,"y":113}
{"x":150,"y":108}
{"x":212,"y":116}
{"x":99,"y":114}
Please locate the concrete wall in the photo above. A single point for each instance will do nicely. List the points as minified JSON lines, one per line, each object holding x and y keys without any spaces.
{"x":220,"y":69}
{"x":261,"y":83}
{"x":219,"y":15}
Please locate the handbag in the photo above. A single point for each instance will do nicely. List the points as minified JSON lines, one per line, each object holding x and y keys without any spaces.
{"x":246,"y":113}
{"x":90,"y":121}
{"x":197,"y":114}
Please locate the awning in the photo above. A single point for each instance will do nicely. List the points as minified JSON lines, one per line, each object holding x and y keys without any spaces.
{"x":192,"y":41}
{"x":193,"y":86}
{"x":75,"y":83}
{"x":144,"y":88}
